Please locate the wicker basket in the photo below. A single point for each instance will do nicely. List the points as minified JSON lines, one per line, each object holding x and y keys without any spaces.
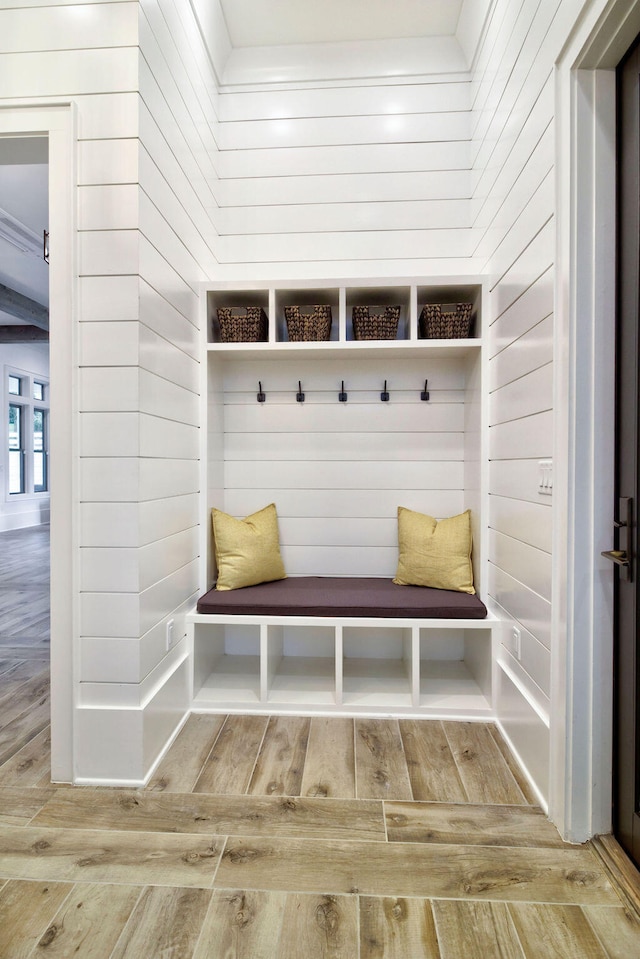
{"x":308,"y":323}
{"x":446,"y":321}
{"x":375,"y":322}
{"x":242,"y":324}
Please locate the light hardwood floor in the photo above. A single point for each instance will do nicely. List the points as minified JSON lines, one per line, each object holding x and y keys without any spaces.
{"x":281,"y":837}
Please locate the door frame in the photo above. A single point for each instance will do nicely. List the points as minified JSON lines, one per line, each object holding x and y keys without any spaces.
{"x":58,"y":122}
{"x":584,"y":404}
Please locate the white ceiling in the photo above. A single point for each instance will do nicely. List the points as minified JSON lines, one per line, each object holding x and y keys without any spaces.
{"x":254,"y":23}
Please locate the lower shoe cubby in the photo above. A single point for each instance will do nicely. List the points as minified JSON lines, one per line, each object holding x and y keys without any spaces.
{"x":454,"y":667}
{"x":226,"y":664}
{"x":439,"y":668}
{"x":376,"y":666}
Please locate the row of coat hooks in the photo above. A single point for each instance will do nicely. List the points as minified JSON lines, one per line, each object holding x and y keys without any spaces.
{"x":342,"y":395}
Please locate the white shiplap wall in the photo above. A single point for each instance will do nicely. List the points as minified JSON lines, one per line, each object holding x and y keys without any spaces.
{"x":351,"y":177}
{"x":150,"y":438}
{"x":142,"y":82}
{"x":337,"y":472}
{"x":514,"y":209}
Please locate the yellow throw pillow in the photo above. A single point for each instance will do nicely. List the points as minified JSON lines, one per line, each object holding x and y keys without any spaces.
{"x":247,"y":550}
{"x":432,"y":553}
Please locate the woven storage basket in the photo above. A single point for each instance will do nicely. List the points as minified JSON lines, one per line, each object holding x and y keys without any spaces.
{"x":375,"y":322}
{"x":446,"y":321}
{"x":308,"y":323}
{"x":242,"y":324}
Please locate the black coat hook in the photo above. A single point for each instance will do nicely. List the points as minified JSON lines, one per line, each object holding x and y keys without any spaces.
{"x":300,"y":394}
{"x":425,"y":393}
{"x":342,"y":396}
{"x":260,"y":397}
{"x":384,"y":396}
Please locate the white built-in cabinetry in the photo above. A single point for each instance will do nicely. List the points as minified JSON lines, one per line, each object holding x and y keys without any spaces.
{"x":337,"y":472}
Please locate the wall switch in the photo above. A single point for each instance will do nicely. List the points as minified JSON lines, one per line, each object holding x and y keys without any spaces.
{"x":545,"y":477}
{"x":516,"y":642}
{"x":170,"y":634}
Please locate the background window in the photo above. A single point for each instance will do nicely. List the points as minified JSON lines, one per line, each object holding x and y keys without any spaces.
{"x":38,"y":390}
{"x":16,"y":454}
{"x":15,"y":384}
{"x":39,"y":451}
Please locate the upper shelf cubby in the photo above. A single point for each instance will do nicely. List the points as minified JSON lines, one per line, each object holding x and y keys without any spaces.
{"x":342,"y":298}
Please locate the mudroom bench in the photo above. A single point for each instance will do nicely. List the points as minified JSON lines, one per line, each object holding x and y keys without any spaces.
{"x":352,"y":645}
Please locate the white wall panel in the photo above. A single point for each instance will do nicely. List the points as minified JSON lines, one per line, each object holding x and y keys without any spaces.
{"x":529,"y":522}
{"x":520,"y":602}
{"x":518,"y":439}
{"x":394,"y":158}
{"x":345,"y":187}
{"x":516,"y":479}
{"x":109,"y":344}
{"x":435,"y":245}
{"x":392,"y":100}
{"x":529,"y":394}
{"x":61,"y":28}
{"x":331,"y":131}
{"x":161,"y":397}
{"x":159,"y":315}
{"x":316,"y":218}
{"x":107,"y":161}
{"x":108,"y":298}
{"x":108,"y":207}
{"x":109,"y":389}
{"x":529,"y":352}
{"x":67,"y":72}
{"x":110,"y":116}
{"x":533,"y":305}
{"x":342,"y":503}
{"x":522,"y":562}
{"x":108,"y":252}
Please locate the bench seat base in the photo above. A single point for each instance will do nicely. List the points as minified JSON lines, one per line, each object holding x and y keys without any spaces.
{"x":339,"y":597}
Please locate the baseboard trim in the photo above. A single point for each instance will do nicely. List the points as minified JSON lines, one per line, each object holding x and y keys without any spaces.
{"x":624,"y":874}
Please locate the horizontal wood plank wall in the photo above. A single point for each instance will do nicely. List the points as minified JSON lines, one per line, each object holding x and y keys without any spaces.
{"x":352,"y":177}
{"x":145,"y":94}
{"x":337,"y":472}
{"x":513,"y":208}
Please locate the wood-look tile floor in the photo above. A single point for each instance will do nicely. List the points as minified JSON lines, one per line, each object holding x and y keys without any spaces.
{"x":278,"y":837}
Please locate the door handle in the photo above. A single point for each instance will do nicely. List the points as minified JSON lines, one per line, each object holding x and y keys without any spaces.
{"x":625,"y":523}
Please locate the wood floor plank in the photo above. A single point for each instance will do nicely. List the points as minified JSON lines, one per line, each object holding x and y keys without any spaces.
{"x":569,"y":875}
{"x":31,"y":764}
{"x":33,"y":692}
{"x":82,"y":855}
{"x":191,"y":813}
{"x":476,"y":930}
{"x":280,"y":763}
{"x":26,"y":909}
{"x":230,"y":765}
{"x":19,"y":806}
{"x":523,"y":783}
{"x":329,"y":768}
{"x":90,"y":922}
{"x":397,"y":929}
{"x":466,"y":823}
{"x":555,"y":932}
{"x":242,"y":925}
{"x":165,"y":923}
{"x":180,"y":768}
{"x":23,"y":729}
{"x":483,"y":770}
{"x":381,"y":768}
{"x":319,"y":927}
{"x":617,"y":929}
{"x":433,"y":773}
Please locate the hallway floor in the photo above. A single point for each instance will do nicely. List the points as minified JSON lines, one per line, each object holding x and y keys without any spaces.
{"x":277,"y":837}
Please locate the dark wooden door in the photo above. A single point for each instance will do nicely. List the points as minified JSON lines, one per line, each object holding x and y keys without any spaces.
{"x":627,"y":647}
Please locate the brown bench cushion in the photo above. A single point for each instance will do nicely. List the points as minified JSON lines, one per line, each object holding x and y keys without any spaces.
{"x":342,"y":596}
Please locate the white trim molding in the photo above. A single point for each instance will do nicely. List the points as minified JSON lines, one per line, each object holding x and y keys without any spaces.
{"x":584,"y":388}
{"x":58,"y":123}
